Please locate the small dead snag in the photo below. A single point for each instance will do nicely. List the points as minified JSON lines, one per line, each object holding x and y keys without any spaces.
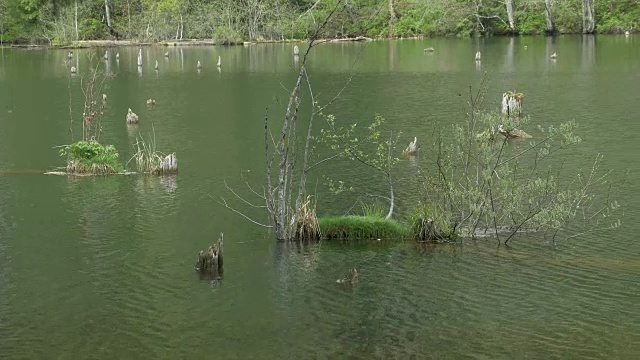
{"x":210,"y":262}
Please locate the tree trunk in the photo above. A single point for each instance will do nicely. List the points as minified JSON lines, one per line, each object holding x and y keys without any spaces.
{"x":129,"y":15}
{"x":106,"y":9}
{"x":588,"y":24}
{"x":77,"y":36}
{"x":181,"y":27}
{"x":509,"y":4}
{"x":392,"y":18}
{"x":547,"y":12}
{"x":1,"y":24}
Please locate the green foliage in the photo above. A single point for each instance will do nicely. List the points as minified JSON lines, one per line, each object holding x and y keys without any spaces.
{"x":366,"y":147}
{"x":92,"y":29}
{"x":372,"y":210}
{"x":226,"y":36}
{"x":228,"y":21}
{"x":361,"y":227}
{"x":147,"y":158}
{"x":431,"y":222}
{"x":90,"y":157}
{"x":481,"y":182}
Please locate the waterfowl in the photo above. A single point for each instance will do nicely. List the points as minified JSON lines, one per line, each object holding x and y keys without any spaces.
{"x":219,"y":61}
{"x":157,"y":65}
{"x":151,"y":102}
{"x":478,"y":56}
{"x":199,"y":65}
{"x":554,"y":56}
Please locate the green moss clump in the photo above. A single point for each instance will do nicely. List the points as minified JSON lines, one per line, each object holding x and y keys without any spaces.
{"x":90,"y":157}
{"x":361,"y":227}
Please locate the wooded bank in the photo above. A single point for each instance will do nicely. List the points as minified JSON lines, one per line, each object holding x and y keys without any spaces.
{"x":60,"y":22}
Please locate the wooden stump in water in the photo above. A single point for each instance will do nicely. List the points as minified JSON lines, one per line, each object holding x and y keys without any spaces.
{"x":512,"y":104}
{"x":351,"y":278}
{"x":412,"y":149}
{"x":170,"y":164}
{"x":211,"y":262}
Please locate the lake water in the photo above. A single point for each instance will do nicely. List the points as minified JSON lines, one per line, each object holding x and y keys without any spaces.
{"x":103,"y":267}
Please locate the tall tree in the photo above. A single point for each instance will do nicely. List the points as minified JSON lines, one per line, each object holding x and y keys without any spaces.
{"x":509,"y":4}
{"x":106,"y":10}
{"x":3,"y":8}
{"x":392,"y":18}
{"x":588,"y":23}
{"x":547,"y":12}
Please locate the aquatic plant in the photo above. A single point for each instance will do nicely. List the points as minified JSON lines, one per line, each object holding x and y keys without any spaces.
{"x":361,"y":227}
{"x":90,"y":157}
{"x":373,"y":209}
{"x":307,"y":227}
{"x":87,"y":155}
{"x":149,"y":160}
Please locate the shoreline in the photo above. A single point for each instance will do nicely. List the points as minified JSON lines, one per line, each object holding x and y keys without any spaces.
{"x":94,"y":44}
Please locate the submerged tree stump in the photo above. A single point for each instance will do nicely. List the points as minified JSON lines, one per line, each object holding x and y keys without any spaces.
{"x":412,"y":149}
{"x":170,"y":164}
{"x":350,"y":278}
{"x":512,"y":104}
{"x":211,"y":262}
{"x":132,"y":118}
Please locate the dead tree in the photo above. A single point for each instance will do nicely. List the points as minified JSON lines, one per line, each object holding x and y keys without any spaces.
{"x":285,"y":209}
{"x":512,"y":104}
{"x":392,"y":18}
{"x":211,"y":262}
{"x":283,"y":212}
{"x":547,"y":12}
{"x":588,"y":23}
{"x":509,"y":5}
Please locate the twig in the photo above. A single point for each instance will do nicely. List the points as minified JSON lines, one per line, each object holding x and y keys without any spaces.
{"x":224,"y":203}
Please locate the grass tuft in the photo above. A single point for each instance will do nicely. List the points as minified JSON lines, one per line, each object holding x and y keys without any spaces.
{"x":361,"y":227}
{"x":147,"y":158}
{"x":307,"y":226}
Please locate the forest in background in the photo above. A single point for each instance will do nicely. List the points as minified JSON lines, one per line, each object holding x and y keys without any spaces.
{"x":59,"y":22}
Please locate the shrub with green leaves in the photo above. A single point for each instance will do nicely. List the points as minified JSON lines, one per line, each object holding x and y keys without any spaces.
{"x":480,"y":182}
{"x":90,"y":157}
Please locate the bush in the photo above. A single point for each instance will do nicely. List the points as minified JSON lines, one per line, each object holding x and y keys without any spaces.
{"x":90,"y":157}
{"x":480,"y":181}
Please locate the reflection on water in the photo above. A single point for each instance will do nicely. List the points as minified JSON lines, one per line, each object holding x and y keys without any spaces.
{"x":588,"y":51}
